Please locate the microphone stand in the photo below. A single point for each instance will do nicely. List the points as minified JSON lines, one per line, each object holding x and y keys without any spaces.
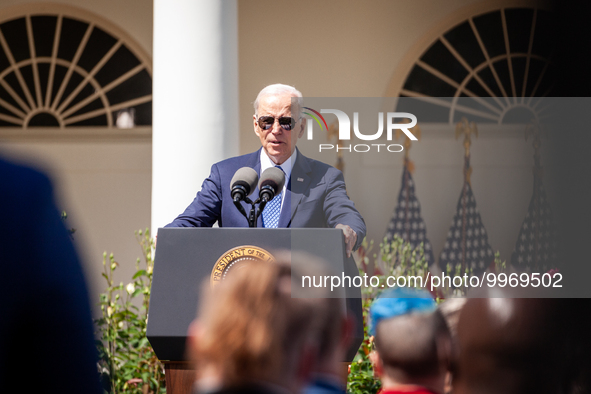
{"x":266,"y":192}
{"x":262,"y":204}
{"x":252,"y":217}
{"x":254,"y":214}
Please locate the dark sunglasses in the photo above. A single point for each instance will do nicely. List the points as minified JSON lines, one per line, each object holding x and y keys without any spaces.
{"x":286,"y":122}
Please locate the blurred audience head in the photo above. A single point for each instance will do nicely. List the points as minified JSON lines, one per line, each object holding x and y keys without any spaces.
{"x":335,"y":338}
{"x":412,"y":340}
{"x":251,"y":331}
{"x":450,"y":310}
{"x":511,"y":345}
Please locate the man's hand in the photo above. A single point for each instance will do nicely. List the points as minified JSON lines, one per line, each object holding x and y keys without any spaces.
{"x":350,"y":237}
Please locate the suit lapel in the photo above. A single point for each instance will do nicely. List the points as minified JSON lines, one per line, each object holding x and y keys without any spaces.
{"x":298,"y":184}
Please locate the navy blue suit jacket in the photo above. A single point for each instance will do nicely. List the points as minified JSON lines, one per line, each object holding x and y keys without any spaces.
{"x":45,"y":318}
{"x":315,"y":197}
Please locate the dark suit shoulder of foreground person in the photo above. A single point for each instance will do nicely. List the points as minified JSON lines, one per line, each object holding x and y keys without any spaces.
{"x":46,"y":332}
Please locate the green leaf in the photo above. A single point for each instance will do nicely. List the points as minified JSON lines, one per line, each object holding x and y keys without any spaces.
{"x":144,"y":343}
{"x":124,"y":350}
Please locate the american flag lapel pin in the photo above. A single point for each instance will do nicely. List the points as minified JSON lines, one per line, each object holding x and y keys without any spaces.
{"x":300,"y":179}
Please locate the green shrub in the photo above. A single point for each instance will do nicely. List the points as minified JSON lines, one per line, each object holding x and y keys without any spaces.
{"x":395,"y":258}
{"x":127,"y":363}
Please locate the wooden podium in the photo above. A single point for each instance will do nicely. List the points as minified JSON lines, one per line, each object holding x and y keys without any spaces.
{"x":183,"y":263}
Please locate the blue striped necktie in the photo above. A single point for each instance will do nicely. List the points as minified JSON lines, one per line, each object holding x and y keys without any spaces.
{"x":272,"y":210}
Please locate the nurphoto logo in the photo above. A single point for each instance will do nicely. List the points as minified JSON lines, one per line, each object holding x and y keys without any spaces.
{"x":392,"y":120}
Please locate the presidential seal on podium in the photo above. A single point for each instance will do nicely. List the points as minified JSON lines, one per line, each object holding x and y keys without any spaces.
{"x":235,"y":259}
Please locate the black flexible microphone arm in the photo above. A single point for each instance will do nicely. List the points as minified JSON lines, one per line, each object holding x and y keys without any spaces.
{"x":267,"y":194}
{"x":252,"y":217}
{"x":239,"y":193}
{"x":240,"y":207}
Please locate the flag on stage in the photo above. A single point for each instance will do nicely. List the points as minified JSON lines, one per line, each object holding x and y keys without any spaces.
{"x":536,"y":247}
{"x":406,"y":221}
{"x":467,"y":241}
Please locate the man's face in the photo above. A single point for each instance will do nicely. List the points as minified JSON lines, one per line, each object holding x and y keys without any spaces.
{"x":277,"y":142}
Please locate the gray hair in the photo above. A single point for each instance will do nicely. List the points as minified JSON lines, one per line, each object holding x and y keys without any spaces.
{"x":277,"y":89}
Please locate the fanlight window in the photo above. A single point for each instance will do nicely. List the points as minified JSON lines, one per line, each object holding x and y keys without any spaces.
{"x":488,"y":68}
{"x":60,"y":71}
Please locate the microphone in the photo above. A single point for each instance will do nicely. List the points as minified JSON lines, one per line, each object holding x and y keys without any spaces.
{"x":270,"y":184}
{"x":243,"y":183}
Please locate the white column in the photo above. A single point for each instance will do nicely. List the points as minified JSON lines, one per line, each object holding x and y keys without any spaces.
{"x":195,"y":106}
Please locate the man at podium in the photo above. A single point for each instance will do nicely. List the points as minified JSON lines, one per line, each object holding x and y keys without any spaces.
{"x":314,"y":193}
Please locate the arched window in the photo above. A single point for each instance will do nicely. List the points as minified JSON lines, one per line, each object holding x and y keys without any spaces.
{"x":61,"y":70}
{"x":492,"y":68}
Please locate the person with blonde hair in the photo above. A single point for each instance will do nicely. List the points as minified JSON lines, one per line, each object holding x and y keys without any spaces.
{"x":251,"y":335}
